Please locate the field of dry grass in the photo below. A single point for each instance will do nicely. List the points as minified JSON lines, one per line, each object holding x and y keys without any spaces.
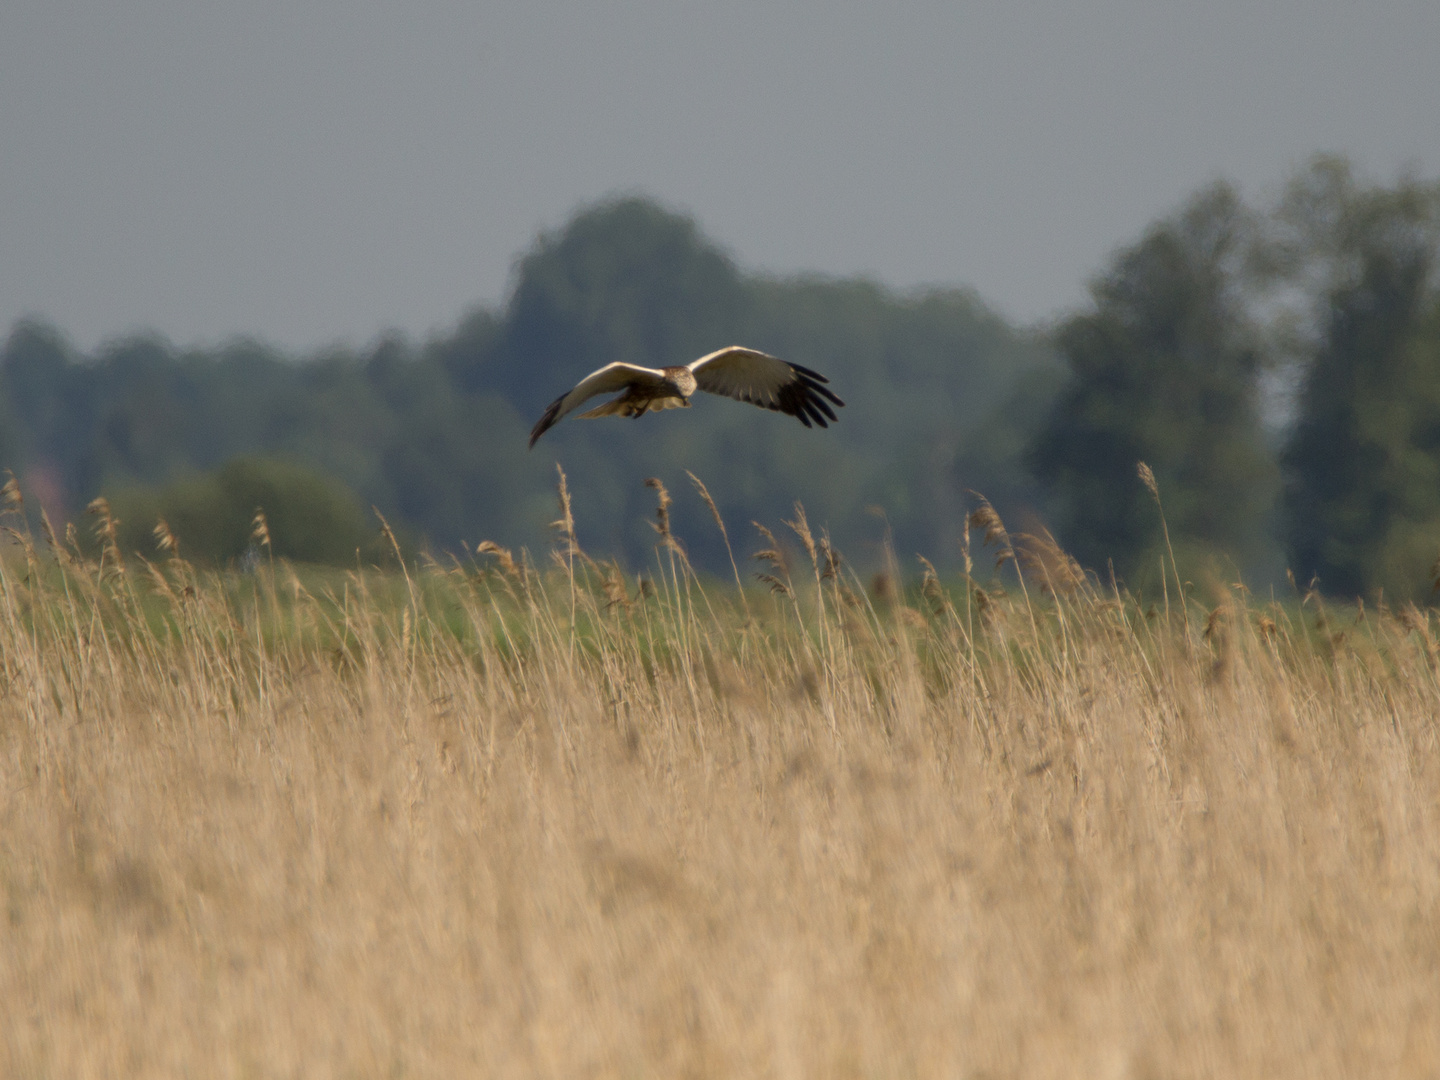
{"x":493,"y":820}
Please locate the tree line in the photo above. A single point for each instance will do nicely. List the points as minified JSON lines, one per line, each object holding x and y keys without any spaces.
{"x":1277,"y":368}
{"x":1279,"y":371}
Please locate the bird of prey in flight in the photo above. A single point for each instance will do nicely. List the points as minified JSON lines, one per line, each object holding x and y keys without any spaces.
{"x":739,"y":373}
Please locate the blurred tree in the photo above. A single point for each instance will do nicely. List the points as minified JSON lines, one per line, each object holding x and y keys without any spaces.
{"x":990,"y":459}
{"x":435,"y":434}
{"x":1363,"y":461}
{"x":46,"y":406}
{"x":464,"y":354}
{"x":310,"y":518}
{"x":1164,"y":369}
{"x":926,"y":371}
{"x":625,"y":280}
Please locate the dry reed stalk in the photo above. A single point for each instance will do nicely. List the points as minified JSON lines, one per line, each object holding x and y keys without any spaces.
{"x":661,"y":524}
{"x":725,"y":535}
{"x":260,"y":530}
{"x":369,"y":828}
{"x":165,"y":539}
{"x":106,"y":531}
{"x":565,"y":524}
{"x":986,"y":519}
{"x":10,"y":493}
{"x":502,"y":555}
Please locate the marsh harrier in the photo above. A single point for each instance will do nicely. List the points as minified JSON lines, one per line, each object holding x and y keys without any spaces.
{"x":736,"y":372}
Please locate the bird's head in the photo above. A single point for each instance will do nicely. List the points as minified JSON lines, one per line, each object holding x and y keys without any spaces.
{"x":682,"y":378}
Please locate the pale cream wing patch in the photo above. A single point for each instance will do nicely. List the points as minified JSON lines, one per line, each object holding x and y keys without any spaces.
{"x":761,"y":379}
{"x":610,"y":378}
{"x":743,"y":374}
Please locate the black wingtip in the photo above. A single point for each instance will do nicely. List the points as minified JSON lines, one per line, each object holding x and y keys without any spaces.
{"x":806,"y":399}
{"x":824,"y":392}
{"x":812,"y":374}
{"x":813,"y":382}
{"x":546,"y":422}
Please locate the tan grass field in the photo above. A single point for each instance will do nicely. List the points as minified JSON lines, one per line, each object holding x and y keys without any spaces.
{"x":472,"y":822}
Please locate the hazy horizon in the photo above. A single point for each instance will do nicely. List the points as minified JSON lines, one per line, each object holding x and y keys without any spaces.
{"x":319,"y":175}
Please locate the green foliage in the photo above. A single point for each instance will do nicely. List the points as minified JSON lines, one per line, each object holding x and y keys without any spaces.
{"x":308,"y":518}
{"x":43,"y":403}
{"x":991,"y":455}
{"x":945,"y":396}
{"x":1164,"y":369}
{"x":435,"y":434}
{"x":1363,"y":461}
{"x":626,"y":280}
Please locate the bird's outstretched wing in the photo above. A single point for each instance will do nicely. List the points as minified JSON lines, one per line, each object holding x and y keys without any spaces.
{"x":767,"y":381}
{"x":611,"y":377}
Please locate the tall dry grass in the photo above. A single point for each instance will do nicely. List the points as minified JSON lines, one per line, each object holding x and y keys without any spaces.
{"x":486,"y":820}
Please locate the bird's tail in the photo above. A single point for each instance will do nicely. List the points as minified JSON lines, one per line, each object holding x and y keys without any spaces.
{"x":618,"y":407}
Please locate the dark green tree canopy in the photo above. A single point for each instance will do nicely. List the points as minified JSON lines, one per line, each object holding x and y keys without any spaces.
{"x":1363,"y":462}
{"x":626,"y":280}
{"x":435,"y":434}
{"x":309,"y":518}
{"x":1333,"y":294}
{"x":1163,"y":369}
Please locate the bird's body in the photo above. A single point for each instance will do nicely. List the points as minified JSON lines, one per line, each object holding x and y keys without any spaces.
{"x":737,"y":372}
{"x":673,"y":390}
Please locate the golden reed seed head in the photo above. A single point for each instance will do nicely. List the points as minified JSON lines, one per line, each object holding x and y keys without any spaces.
{"x":502,"y":555}
{"x":1147,"y":477}
{"x":705,"y":494}
{"x":801,"y":528}
{"x":11,"y":493}
{"x":164,"y":538}
{"x":566,"y":523}
{"x":985,"y":518}
{"x":661,"y":524}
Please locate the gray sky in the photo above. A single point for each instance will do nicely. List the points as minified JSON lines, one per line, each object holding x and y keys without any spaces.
{"x":317,"y":171}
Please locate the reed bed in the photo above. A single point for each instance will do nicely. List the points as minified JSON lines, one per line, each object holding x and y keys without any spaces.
{"x":497,"y":819}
